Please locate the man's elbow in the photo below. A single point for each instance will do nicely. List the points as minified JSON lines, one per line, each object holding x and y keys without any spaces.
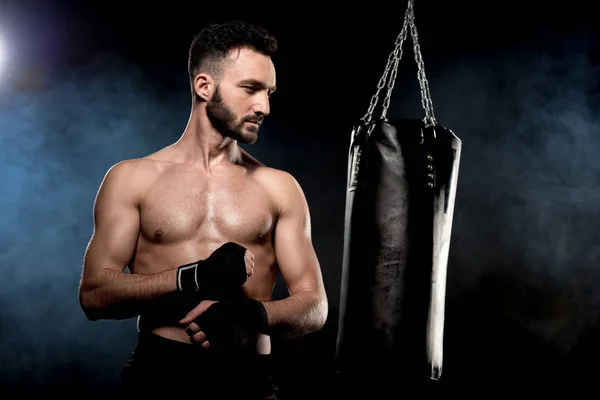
{"x":321,"y":312}
{"x":91,"y":314}
{"x":89,"y":304}
{"x":88,"y":310}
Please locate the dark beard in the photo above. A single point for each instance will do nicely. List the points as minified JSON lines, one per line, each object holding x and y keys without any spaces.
{"x":223,"y":119}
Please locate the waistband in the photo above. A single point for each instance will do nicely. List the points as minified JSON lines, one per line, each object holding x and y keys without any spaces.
{"x":158,"y":347}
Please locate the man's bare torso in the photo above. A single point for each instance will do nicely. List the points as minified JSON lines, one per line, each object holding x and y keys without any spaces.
{"x":187,"y":213}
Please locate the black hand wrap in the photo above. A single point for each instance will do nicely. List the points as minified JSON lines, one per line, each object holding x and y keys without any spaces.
{"x":222,"y":272}
{"x":230,"y":326}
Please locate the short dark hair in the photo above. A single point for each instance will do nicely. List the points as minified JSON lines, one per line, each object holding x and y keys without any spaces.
{"x":213,"y":43}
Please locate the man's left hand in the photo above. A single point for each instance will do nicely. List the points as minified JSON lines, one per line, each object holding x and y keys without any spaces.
{"x":226,"y":326}
{"x":192,"y":329}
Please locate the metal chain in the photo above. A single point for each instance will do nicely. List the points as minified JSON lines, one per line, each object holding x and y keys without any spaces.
{"x":391,"y":69}
{"x":391,"y":65}
{"x":398,"y":53}
{"x":423,"y":83}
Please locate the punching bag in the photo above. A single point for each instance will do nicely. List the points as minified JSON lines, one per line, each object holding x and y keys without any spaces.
{"x":401,"y":189}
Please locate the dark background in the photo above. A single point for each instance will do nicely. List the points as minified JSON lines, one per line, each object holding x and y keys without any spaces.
{"x":87,"y":84}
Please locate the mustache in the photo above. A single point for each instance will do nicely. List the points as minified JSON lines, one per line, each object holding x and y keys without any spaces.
{"x":256,"y":119}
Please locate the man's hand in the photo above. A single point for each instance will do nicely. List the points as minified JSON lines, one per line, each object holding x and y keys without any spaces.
{"x":226,"y":326}
{"x":193,"y":330}
{"x":222,"y":273}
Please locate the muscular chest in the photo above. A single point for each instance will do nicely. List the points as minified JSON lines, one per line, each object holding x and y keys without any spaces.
{"x":187,"y":206}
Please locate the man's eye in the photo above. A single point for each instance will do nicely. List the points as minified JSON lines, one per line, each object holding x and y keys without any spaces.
{"x":249,"y":89}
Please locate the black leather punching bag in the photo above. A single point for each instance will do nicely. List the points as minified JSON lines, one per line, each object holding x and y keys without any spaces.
{"x":399,"y":209}
{"x":401,"y":189}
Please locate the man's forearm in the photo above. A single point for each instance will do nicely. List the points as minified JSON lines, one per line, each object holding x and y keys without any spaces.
{"x":117,"y":295}
{"x":299,"y":314}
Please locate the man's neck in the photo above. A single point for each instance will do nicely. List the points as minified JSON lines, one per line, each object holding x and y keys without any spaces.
{"x":202,"y":144}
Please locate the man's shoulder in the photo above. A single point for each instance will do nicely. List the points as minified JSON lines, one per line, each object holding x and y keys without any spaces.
{"x":132,"y":172}
{"x":144,"y":163}
{"x":274,"y":175}
{"x":281,"y":184}
{"x":135,"y":174}
{"x":129,"y":166}
{"x":261,"y":170}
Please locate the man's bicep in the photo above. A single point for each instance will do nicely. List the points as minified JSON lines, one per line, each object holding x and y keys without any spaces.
{"x":116,"y":222}
{"x":296,"y":257}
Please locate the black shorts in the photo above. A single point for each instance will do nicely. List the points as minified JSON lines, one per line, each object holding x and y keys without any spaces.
{"x":159,"y":364}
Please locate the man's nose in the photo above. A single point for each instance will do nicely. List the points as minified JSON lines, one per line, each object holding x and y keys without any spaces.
{"x":262,"y":106}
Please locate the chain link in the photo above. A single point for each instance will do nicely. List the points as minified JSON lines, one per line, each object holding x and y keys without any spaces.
{"x":423,"y":83}
{"x":391,"y":69}
{"x":391,"y":65}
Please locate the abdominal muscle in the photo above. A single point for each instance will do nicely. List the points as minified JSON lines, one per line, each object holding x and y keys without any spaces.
{"x":152,"y":258}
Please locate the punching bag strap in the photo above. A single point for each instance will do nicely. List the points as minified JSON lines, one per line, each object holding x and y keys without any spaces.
{"x":391,"y":69}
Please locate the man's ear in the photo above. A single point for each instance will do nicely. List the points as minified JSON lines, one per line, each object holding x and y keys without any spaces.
{"x":204,"y":86}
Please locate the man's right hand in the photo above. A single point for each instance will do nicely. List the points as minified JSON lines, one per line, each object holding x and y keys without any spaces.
{"x":226,"y":269}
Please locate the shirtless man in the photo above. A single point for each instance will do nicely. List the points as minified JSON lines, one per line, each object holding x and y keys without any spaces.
{"x":206,"y":316}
